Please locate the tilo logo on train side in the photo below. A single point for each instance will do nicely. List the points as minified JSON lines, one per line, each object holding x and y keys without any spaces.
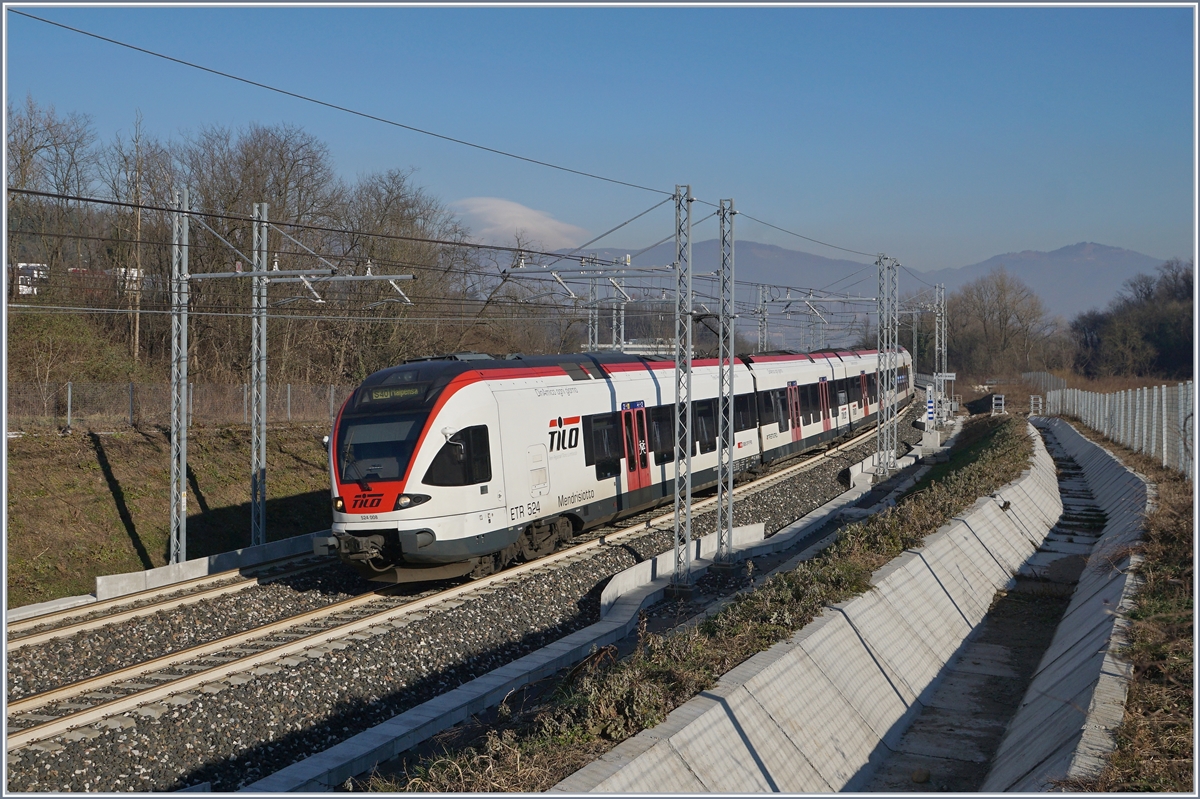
{"x":564,"y":433}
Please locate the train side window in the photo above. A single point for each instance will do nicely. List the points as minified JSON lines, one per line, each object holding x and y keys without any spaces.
{"x":465,"y":459}
{"x":662,"y":433}
{"x":779,"y":397}
{"x":743,"y":413}
{"x":841,"y":391}
{"x":766,"y":408}
{"x":602,"y":444}
{"x":704,"y":424}
{"x":812,"y":404}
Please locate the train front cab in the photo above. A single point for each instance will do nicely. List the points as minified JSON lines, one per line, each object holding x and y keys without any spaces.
{"x":412,"y":483}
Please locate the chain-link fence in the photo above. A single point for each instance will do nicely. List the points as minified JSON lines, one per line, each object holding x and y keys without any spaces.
{"x":1158,"y":421}
{"x":99,"y":406}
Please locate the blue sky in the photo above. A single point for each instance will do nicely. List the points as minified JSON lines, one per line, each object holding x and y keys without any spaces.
{"x":942,"y":136}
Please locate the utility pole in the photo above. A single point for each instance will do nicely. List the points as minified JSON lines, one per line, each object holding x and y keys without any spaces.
{"x":258,"y":382}
{"x":179,"y":385}
{"x":939,"y":355}
{"x":762,"y":318}
{"x":619,"y":312}
{"x":725,"y":397}
{"x":681,"y":579}
{"x":887,"y":371}
{"x":137,"y":194}
{"x":593,"y":319}
{"x":916,"y":316}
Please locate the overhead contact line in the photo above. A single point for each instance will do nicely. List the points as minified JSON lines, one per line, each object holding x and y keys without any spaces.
{"x":344,"y":109}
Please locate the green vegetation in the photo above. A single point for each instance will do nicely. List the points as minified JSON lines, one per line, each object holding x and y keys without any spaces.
{"x":972,"y":443}
{"x":604,"y":701}
{"x":82,"y":505}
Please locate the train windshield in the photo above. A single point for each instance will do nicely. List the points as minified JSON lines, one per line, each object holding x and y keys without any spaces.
{"x":377,"y":448}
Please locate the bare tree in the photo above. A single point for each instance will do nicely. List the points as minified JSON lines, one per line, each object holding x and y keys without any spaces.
{"x":48,"y":153}
{"x":997,"y":323}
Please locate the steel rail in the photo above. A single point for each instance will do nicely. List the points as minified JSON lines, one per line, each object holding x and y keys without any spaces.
{"x":165,"y":662}
{"x":245,"y":581}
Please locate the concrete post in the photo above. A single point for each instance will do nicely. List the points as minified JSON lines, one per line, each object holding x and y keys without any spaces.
{"x":1164,"y":426}
{"x":1152,"y":413}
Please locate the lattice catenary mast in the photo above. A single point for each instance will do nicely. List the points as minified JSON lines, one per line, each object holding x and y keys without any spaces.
{"x":681,"y":579}
{"x":887,"y":371}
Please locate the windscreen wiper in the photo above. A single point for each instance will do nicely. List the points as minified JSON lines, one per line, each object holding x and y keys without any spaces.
{"x":352,"y":461}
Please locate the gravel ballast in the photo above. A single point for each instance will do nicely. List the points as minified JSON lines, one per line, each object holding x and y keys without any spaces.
{"x":115,"y":646}
{"x":250,"y":729}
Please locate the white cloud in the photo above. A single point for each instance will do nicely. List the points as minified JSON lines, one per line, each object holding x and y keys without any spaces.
{"x":496,"y":221}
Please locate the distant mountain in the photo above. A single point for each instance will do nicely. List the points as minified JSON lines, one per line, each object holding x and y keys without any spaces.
{"x":1069,"y":280}
{"x":766,"y":263}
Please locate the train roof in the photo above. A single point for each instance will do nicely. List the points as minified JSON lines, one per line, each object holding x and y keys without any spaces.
{"x":418,"y":382}
{"x":579,"y":365}
{"x":443,"y":368}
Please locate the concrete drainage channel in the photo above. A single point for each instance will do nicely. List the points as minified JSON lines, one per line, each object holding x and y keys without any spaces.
{"x":1077,"y":698}
{"x":825,"y":710}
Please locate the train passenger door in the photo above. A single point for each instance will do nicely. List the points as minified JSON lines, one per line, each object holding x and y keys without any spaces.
{"x":866,"y":398}
{"x":637,"y":449}
{"x":793,"y":400}
{"x":823,"y":395}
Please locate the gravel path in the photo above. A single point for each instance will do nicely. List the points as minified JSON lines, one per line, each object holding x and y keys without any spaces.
{"x":252,"y":729}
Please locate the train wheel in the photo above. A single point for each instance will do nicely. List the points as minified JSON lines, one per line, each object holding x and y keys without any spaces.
{"x":563,"y":530}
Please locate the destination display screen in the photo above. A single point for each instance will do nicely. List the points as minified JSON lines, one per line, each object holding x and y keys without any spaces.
{"x":390,"y":396}
{"x":394,"y":392}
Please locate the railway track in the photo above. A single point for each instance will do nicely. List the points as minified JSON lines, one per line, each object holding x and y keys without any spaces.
{"x":84,"y":707}
{"x":38,"y":629}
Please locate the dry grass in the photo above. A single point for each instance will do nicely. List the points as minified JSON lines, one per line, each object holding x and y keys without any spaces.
{"x":83,"y":505}
{"x":605,"y":701}
{"x":1155,"y":743}
{"x":1112,"y":383}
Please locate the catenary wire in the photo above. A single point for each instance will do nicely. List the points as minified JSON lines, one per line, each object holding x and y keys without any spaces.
{"x":411,"y":128}
{"x":341,"y":108}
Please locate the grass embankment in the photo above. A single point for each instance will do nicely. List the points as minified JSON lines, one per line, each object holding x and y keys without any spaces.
{"x":84,"y":504}
{"x":1155,"y":741}
{"x":604,"y":701}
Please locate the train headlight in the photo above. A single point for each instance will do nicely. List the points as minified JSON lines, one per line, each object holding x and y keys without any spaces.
{"x":409,"y":500}
{"x":339,"y":504}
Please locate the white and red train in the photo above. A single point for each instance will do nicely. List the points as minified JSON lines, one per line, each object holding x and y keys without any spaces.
{"x":460,"y":465}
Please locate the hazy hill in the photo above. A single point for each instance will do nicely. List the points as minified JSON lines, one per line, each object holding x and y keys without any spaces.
{"x":1069,"y":280}
{"x":766,"y":263}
